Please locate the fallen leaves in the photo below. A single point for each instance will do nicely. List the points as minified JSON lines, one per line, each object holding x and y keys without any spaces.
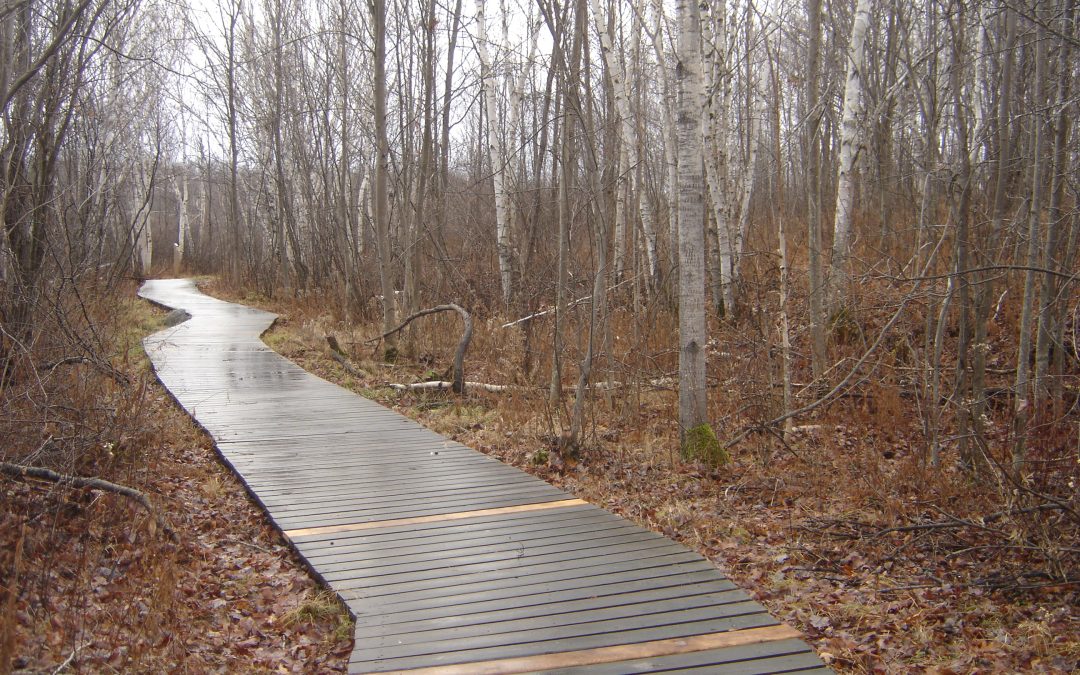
{"x":101,"y":592}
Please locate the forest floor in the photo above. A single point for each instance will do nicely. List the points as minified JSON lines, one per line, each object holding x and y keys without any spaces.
{"x":101,"y":588}
{"x":803,"y":525}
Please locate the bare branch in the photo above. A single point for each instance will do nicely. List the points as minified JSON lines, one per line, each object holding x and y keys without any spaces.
{"x":463,"y":344}
{"x":40,"y":473}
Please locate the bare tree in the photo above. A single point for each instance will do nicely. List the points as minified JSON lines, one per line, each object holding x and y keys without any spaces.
{"x":382,"y":159}
{"x":1022,"y":387}
{"x":814,"y":113}
{"x":1055,"y":223}
{"x":498,"y":157}
{"x":850,"y":149}
{"x":694,"y":430}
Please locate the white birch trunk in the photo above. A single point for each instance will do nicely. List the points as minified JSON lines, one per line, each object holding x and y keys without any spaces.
{"x":181,"y":227}
{"x":628,"y":153}
{"x":747,"y":190}
{"x":621,"y":188}
{"x":785,"y":262}
{"x":692,"y":337}
{"x":671,"y":133}
{"x":495,"y":150}
{"x":850,"y":149}
{"x":517,"y":93}
{"x":718,"y":161}
{"x":144,"y":237}
{"x":365,"y":215}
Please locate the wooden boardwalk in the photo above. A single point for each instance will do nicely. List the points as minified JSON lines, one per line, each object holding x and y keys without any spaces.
{"x":451,"y":561}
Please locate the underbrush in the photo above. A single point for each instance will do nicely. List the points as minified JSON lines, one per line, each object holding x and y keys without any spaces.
{"x":842,"y":525}
{"x":95,"y":582}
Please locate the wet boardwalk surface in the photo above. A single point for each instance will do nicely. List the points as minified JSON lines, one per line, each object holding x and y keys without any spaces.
{"x":451,"y":561}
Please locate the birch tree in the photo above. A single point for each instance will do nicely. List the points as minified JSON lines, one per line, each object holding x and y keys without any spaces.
{"x":488,"y":86}
{"x":697,"y":439}
{"x":814,"y":114}
{"x":850,"y":150}
{"x":719,"y":167}
{"x":181,"y":189}
{"x":628,"y":150}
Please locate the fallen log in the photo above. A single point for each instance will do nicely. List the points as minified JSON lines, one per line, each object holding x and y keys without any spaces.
{"x":442,"y":385}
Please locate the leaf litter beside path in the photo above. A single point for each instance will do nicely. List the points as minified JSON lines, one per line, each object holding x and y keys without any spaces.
{"x":99,"y":590}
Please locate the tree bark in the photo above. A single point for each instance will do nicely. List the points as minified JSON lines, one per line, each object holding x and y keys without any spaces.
{"x":850,"y":150}
{"x":181,"y":225}
{"x":1055,"y":220}
{"x":692,"y":340}
{"x":498,"y":158}
{"x":814,"y":114}
{"x":382,"y":161}
{"x":1022,"y":398}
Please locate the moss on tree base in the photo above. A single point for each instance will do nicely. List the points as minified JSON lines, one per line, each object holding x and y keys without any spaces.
{"x":700,"y":443}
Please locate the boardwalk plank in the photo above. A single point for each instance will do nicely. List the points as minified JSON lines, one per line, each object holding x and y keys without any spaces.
{"x":790,"y":656}
{"x":546,"y":642}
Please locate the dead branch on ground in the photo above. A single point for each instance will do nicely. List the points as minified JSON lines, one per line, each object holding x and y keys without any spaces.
{"x":439,"y":385}
{"x":458,"y":385}
{"x":339,"y":355}
{"x":23,"y":472}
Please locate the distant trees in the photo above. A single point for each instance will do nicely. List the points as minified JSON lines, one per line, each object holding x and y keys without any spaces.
{"x":403,"y":153}
{"x":85,"y":126}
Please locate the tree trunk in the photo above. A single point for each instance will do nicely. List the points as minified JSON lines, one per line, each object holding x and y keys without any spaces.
{"x":850,"y":149}
{"x":234,"y":142}
{"x":961,"y":215}
{"x":181,"y":226}
{"x":814,"y":114}
{"x":280,"y":185}
{"x":785,"y":262}
{"x":693,"y":417}
{"x":1022,"y":395}
{"x":628,"y":142}
{"x":382,"y":161}
{"x":1055,"y":219}
{"x":498,"y":159}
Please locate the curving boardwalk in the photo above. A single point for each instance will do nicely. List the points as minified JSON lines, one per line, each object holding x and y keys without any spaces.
{"x":451,"y":561}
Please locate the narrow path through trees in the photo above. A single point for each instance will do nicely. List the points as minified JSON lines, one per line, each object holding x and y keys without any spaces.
{"x":449,"y":558}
